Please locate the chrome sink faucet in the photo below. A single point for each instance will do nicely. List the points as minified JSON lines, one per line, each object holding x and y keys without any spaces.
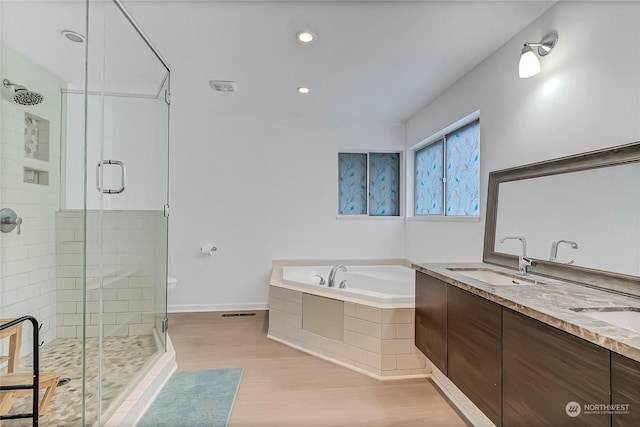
{"x":332,"y":274}
{"x":554,"y":249}
{"x":523,"y":261}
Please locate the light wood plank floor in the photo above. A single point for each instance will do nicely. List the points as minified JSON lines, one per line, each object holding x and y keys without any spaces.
{"x":285,"y":387}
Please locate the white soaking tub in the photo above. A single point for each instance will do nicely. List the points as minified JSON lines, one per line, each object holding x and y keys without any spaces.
{"x":382,"y":284}
{"x":369,"y":326}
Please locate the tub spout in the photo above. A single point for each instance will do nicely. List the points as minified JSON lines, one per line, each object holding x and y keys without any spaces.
{"x":332,"y":274}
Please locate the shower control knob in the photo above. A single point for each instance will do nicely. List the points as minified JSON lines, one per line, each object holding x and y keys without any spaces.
{"x":9,"y":220}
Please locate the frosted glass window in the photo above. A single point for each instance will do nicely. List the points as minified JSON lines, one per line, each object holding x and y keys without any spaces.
{"x":369,"y":184}
{"x":447,"y":174}
{"x":428,"y":180}
{"x":352,"y":186}
{"x":384,"y":187}
{"x":463,"y":171}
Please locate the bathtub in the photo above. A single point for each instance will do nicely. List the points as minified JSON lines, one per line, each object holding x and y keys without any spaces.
{"x":383,"y":284}
{"x":368,"y":326}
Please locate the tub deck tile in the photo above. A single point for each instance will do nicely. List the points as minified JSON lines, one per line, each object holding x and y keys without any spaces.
{"x":349,"y":309}
{"x":388,"y":362}
{"x":396,"y":315}
{"x":356,"y":354}
{"x":375,"y":330}
{"x":410,"y":361}
{"x":374,"y":360}
{"x":371,"y":314}
{"x":286,"y":294}
{"x":396,"y":346}
{"x":405,"y":331}
{"x":388,"y":331}
{"x":356,"y":325}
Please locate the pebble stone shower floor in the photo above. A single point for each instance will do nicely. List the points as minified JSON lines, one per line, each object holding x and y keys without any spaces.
{"x":123,"y":358}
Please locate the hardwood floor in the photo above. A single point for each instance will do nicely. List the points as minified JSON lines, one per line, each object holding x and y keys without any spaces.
{"x":285,"y":387}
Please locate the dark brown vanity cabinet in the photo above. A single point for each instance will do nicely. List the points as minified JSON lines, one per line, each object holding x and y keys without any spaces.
{"x":625,"y":390}
{"x":520,"y":371}
{"x":475,"y":349}
{"x":544,"y":369}
{"x":431,"y":319}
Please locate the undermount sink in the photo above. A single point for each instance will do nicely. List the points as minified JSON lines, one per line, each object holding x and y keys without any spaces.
{"x":493,"y":277}
{"x":624,"y":317}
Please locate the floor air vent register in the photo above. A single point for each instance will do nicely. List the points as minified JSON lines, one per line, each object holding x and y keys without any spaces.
{"x":237,"y":314}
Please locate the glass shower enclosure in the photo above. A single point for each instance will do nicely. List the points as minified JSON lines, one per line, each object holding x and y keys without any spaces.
{"x":84,"y":120}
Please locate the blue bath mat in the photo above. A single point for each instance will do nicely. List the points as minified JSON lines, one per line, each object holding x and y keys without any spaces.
{"x":195,"y":399}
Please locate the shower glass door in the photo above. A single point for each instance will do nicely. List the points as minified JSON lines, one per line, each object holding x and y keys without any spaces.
{"x":88,"y":259}
{"x":126,"y":194}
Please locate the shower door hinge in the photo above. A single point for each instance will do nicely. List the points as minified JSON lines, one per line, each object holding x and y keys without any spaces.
{"x":165,"y":325}
{"x":167,"y":97}
{"x":166,"y":211}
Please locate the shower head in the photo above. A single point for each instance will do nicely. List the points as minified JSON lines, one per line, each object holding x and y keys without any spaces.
{"x":21,"y":95}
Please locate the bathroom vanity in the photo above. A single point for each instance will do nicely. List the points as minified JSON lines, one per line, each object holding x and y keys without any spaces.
{"x":537,"y":335}
{"x":519,"y":352}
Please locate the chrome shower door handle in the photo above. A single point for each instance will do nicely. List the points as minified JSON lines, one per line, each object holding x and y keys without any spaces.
{"x":123,"y":176}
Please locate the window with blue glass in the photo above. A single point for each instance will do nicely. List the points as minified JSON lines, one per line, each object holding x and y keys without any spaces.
{"x":447,"y":174}
{"x":369,"y":184}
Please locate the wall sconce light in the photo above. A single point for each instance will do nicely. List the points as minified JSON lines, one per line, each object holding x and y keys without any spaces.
{"x":529,"y":63}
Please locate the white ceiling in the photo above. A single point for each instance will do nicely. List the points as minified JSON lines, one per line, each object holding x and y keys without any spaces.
{"x":371,"y":61}
{"x":377,"y":61}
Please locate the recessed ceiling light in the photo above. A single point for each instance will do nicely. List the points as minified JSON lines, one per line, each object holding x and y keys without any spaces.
{"x":303,"y":89}
{"x":305,"y":36}
{"x":73,"y":36}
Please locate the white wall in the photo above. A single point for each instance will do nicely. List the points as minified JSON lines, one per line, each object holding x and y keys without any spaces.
{"x":586,"y":97}
{"x":261,"y":189}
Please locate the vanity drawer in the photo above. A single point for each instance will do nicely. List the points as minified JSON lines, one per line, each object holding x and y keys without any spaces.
{"x":474,"y":341}
{"x":625,"y":390}
{"x":431,"y":319}
{"x":544,"y":369}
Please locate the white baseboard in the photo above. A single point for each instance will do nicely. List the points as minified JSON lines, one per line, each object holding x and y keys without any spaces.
{"x":468,"y":409}
{"x":191,"y":308}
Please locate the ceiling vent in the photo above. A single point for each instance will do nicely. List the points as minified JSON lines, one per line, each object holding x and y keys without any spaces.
{"x":224,"y":85}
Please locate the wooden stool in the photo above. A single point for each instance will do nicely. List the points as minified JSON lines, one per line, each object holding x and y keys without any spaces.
{"x":48,"y":383}
{"x":14,"y":333}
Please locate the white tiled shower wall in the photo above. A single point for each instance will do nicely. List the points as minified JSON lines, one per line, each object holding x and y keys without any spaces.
{"x":126,"y":243}
{"x":27,"y":261}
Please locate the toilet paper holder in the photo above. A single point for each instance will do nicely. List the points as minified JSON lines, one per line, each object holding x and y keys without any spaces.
{"x":208,"y":250}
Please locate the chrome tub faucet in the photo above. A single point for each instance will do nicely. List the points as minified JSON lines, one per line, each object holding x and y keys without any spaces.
{"x":332,"y":274}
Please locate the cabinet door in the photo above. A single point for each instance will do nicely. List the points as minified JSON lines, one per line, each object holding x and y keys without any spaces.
{"x":545,"y":369}
{"x":474,"y":341}
{"x":625,"y":390}
{"x":431,"y":319}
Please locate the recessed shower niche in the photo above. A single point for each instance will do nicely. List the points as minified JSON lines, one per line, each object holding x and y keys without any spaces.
{"x":36,"y":137}
{"x":36,"y":176}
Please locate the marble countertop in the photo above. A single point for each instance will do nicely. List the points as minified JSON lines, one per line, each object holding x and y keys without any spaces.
{"x":550,"y":301}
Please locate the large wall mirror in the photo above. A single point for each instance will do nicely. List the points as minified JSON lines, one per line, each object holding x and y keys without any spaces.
{"x":580,"y":216}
